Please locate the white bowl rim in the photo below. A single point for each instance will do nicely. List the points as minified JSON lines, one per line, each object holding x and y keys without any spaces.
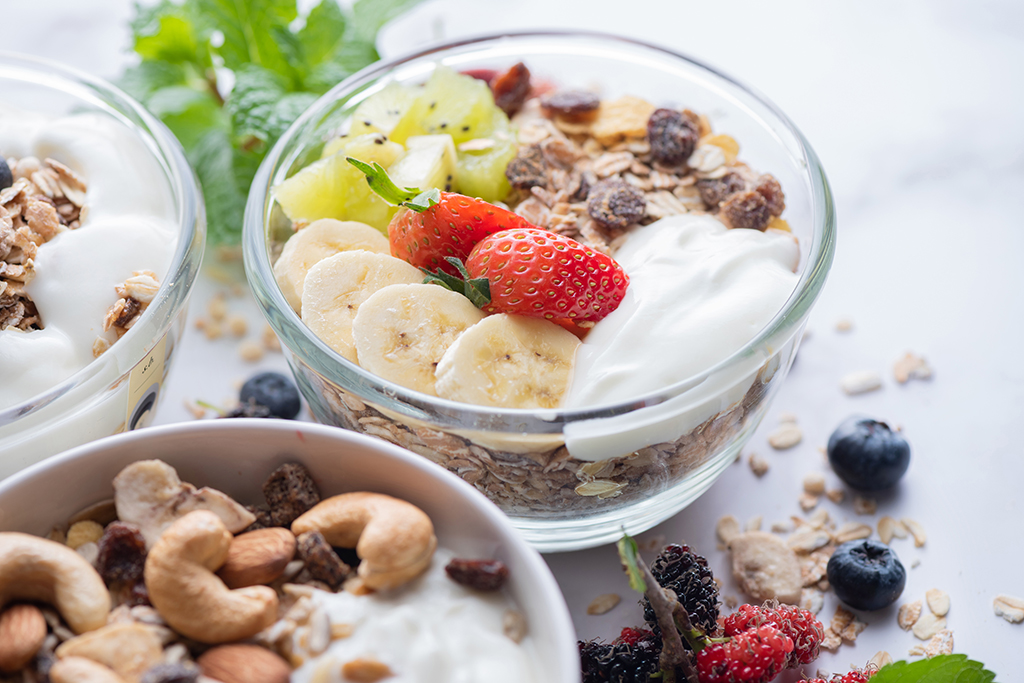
{"x":542,"y":580}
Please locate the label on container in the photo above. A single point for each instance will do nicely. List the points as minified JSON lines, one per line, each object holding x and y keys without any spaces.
{"x":144,"y":387}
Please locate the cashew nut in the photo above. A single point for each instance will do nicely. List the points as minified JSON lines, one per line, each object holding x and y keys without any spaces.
{"x":33,"y":568}
{"x":394,"y":539}
{"x":190,"y":597}
{"x":82,"y":670}
{"x":129,"y":649}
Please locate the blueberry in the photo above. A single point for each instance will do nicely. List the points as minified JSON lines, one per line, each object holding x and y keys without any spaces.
{"x":6,"y":179}
{"x":867,"y":455}
{"x":866,"y":574}
{"x":275,"y":391}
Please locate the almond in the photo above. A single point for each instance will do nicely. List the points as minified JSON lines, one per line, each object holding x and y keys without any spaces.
{"x":22,"y":631}
{"x":244,"y":664}
{"x":258,"y":557}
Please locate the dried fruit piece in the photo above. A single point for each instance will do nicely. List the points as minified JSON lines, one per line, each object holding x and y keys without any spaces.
{"x":714,"y":191}
{"x":511,"y":87}
{"x":747,"y":210}
{"x":672,"y":136}
{"x":573,"y":105}
{"x":527,"y":169}
{"x":615,"y":204}
{"x":172,"y":672}
{"x":482,"y":575}
{"x":770,"y":189}
{"x":122,"y":555}
{"x":322,"y":563}
{"x":604,"y":603}
{"x":290,"y":491}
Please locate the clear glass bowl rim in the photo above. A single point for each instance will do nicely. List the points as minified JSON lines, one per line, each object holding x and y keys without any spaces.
{"x":395,"y":397}
{"x":172,"y":296}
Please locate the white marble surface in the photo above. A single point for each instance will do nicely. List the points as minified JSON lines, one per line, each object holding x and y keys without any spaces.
{"x":915,"y":111}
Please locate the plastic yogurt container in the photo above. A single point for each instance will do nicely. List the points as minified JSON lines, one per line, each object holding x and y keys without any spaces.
{"x":656,"y":409}
{"x":135,"y":220}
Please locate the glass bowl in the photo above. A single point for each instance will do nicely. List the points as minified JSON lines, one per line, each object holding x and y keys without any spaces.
{"x":568,"y":478}
{"x":118,"y":390}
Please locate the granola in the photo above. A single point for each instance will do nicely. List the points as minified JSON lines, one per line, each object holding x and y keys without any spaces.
{"x":45,"y":199}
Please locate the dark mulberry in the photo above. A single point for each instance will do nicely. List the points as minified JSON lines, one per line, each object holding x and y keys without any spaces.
{"x":671,"y":135}
{"x":615,"y":204}
{"x":714,"y":191}
{"x":632,"y":658}
{"x":746,"y":210}
{"x":687,"y":574}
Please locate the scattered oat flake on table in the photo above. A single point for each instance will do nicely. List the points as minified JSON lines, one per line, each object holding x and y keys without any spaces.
{"x":808,"y":502}
{"x":910,"y":367}
{"x":814,"y":483}
{"x":831,"y":641}
{"x":1009,"y":608}
{"x":603,"y":603}
{"x":787,"y":417}
{"x":237,"y":325}
{"x":754,"y":523}
{"x":916,"y":530}
{"x":758,"y":465}
{"x":844,"y":325}
{"x":928,"y":625}
{"x":864,"y":506}
{"x":938,"y":601}
{"x":852,"y":630}
{"x":787,"y":435}
{"x":809,"y":540}
{"x":812,"y":599}
{"x":727,"y":528}
{"x":835,"y":495}
{"x":908,"y":614}
{"x":250,"y":351}
{"x":217,"y":307}
{"x":880,"y":659}
{"x":852,"y":531}
{"x":860,"y":382}
{"x":939,"y":644}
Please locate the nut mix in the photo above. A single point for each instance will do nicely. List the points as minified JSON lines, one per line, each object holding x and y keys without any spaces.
{"x":174,"y":619}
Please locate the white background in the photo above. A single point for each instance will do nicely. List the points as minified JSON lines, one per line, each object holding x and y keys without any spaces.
{"x":916,"y":111}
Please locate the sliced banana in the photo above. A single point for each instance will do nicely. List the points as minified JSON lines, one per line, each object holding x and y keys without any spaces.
{"x":402,"y":331}
{"x":336,"y":287}
{"x":509,"y":361}
{"x":317,"y":241}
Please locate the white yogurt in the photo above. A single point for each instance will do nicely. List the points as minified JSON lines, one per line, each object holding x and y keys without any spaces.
{"x":430,"y":631}
{"x":698,"y":292}
{"x":130,"y":225}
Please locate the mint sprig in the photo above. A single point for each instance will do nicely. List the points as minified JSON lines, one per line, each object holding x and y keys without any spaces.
{"x":229,"y":77}
{"x":380,"y":182}
{"x":940,"y":669}
{"x":477,"y":290}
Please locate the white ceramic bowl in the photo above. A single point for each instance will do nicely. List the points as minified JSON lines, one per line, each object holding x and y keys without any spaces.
{"x":236,"y":456}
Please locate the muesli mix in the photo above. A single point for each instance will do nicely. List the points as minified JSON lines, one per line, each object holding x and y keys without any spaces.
{"x":167,"y":582}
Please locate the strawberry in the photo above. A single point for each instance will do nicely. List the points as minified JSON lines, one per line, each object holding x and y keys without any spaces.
{"x":434,"y":225}
{"x":541,"y":274}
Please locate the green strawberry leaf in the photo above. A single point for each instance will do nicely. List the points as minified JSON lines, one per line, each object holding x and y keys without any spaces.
{"x":628,"y":554}
{"x":477,"y":290}
{"x":940,"y":669}
{"x":380,"y":182}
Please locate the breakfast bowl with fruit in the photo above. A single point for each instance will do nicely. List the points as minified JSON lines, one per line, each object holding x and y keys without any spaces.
{"x":101,"y":235}
{"x":579,"y":298}
{"x":267,"y":551}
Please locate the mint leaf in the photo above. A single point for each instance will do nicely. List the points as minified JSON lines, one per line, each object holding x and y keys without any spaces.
{"x":324,"y":32}
{"x":248,"y":30}
{"x":213,"y":159}
{"x":368,"y":16}
{"x":141,"y":80}
{"x":260,"y":107}
{"x":189,"y":114}
{"x":628,"y":554}
{"x":941,"y":669}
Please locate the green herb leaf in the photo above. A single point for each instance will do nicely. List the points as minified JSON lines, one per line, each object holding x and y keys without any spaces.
{"x":189,"y":114}
{"x":324,"y":32}
{"x":141,"y":80}
{"x":628,"y":554}
{"x":369,"y":16}
{"x":213,"y":159}
{"x":941,"y":669}
{"x":247,"y":29}
{"x":380,"y":182}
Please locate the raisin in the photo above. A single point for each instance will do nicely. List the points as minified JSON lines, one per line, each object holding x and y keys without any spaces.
{"x":131,"y":309}
{"x":483,"y":575}
{"x":615,"y":204}
{"x":714,"y":191}
{"x":322,"y":563}
{"x":769,"y":188}
{"x":571,"y":104}
{"x":511,"y":88}
{"x":290,"y":491}
{"x":746,"y":210}
{"x":180,"y":672}
{"x":671,"y":135}
{"x":527,"y":169}
{"x":122,"y":553}
{"x":579,"y":184}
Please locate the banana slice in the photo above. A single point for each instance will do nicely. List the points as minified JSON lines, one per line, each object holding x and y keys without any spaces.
{"x":336,"y":287}
{"x":509,"y":361}
{"x":317,"y":241}
{"x":402,"y":331}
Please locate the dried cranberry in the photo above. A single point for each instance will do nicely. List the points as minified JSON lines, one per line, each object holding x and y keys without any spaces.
{"x":570,"y":104}
{"x":511,"y":88}
{"x":290,"y":491}
{"x":122,"y":553}
{"x":714,"y":191}
{"x":769,"y":188}
{"x":615,"y":204}
{"x":671,"y":135}
{"x":746,"y":210}
{"x":527,"y":169}
{"x":482,"y":575}
{"x":322,"y":563}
